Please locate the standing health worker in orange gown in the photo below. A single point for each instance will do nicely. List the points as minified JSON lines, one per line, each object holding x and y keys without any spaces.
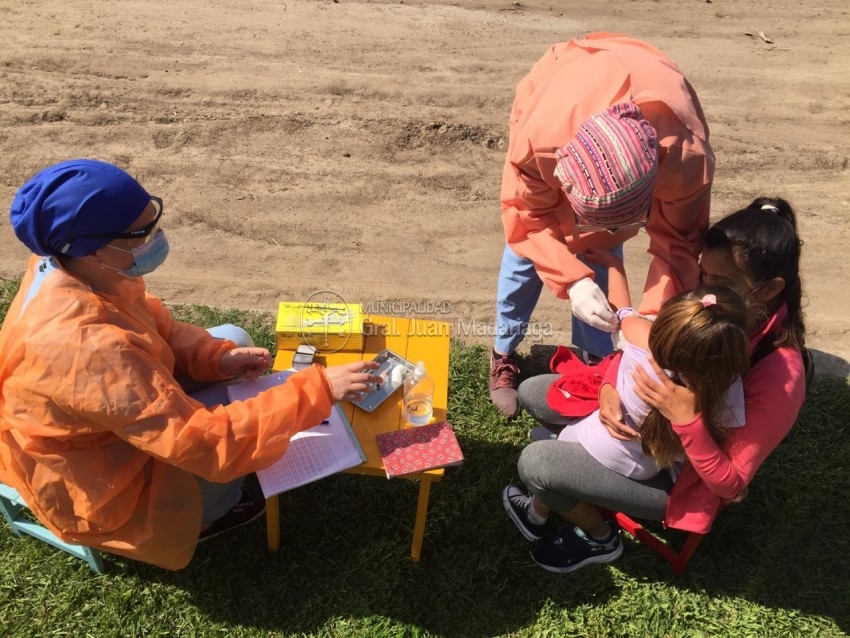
{"x":606,"y":135}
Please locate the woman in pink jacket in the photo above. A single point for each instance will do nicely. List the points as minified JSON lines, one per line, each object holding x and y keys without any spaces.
{"x":755,"y":251}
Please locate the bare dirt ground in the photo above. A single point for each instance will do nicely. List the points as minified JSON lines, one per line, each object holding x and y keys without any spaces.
{"x":357,"y":146}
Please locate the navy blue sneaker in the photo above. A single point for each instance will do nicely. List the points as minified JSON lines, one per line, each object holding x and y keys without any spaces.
{"x":572,"y":549}
{"x":516,"y":503}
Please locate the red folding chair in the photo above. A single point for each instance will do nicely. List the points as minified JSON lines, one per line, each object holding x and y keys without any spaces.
{"x":678,"y":559}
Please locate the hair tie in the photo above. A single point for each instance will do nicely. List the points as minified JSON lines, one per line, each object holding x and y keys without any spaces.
{"x":708,"y":300}
{"x":770,"y":207}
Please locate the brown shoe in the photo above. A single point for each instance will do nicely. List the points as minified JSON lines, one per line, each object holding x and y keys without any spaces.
{"x":504,"y":373}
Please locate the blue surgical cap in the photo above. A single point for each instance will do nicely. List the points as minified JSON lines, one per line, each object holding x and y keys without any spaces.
{"x":53,"y":213}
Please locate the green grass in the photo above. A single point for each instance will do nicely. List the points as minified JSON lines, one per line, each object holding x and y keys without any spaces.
{"x":775,"y":565}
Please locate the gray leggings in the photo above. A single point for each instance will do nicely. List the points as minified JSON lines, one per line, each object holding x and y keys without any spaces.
{"x":532,"y":396}
{"x":562,"y":474}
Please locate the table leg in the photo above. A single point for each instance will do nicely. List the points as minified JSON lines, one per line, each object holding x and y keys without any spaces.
{"x":421,"y":513}
{"x":273,"y":523}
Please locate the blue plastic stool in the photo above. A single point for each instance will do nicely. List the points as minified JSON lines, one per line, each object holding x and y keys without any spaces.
{"x":11,"y":503}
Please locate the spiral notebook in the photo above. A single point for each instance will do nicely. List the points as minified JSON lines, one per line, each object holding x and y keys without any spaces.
{"x":324,"y":449}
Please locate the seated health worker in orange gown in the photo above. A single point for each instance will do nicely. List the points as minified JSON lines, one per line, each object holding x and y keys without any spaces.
{"x":96,"y":432}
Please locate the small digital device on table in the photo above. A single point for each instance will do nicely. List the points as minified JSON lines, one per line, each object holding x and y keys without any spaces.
{"x":393,"y":370}
{"x":304,"y":356}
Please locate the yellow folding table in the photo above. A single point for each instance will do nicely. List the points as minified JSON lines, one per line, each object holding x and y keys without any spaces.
{"x":415,"y":340}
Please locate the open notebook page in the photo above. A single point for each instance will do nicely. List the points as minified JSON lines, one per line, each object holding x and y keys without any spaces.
{"x":312,"y":454}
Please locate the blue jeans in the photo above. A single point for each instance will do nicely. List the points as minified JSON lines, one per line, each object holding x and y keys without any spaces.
{"x":219,"y":498}
{"x":517,"y":294}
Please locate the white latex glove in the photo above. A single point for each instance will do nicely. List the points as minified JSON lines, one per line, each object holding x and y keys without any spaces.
{"x":591,"y":306}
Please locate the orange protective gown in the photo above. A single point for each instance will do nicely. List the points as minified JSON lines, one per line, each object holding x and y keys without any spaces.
{"x":99,"y":438}
{"x":573,"y":81}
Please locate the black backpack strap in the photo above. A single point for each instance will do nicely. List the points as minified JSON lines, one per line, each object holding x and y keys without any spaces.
{"x":762,"y":349}
{"x":808,"y":366}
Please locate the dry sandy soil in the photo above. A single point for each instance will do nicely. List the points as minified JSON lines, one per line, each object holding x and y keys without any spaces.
{"x":357,"y":146}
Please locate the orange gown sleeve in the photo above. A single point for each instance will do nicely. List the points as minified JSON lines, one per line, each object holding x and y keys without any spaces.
{"x":134,"y":395}
{"x":531,"y":212}
{"x":197,"y":353}
{"x":677,"y":225}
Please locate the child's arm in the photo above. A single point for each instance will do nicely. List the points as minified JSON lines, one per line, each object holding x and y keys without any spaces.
{"x":618,"y":284}
{"x":635,"y":328}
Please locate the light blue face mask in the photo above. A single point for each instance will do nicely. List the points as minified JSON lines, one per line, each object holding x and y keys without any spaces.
{"x":147,"y":257}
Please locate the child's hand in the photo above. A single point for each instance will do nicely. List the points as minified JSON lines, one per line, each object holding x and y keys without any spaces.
{"x":603,"y":257}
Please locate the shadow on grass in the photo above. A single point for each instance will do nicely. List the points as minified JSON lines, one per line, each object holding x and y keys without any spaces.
{"x":830,"y":365}
{"x":346,"y":540}
{"x":344,"y":566}
{"x":345,"y":555}
{"x":345,"y":552}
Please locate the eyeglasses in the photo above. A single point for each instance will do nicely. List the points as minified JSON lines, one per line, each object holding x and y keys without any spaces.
{"x":759,"y":287}
{"x":145,"y":233}
{"x":739,"y":286}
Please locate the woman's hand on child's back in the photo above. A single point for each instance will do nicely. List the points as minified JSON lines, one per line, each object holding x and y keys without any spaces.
{"x":611,"y":415}
{"x":677,"y":403}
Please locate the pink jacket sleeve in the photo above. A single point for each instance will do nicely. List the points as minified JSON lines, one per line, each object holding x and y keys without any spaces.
{"x":774,"y":391}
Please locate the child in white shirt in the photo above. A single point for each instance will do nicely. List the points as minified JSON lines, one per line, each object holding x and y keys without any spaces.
{"x":702,"y":335}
